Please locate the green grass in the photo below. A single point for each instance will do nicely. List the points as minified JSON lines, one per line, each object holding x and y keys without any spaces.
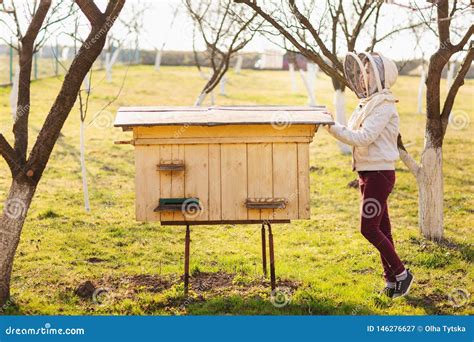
{"x":325,"y":265}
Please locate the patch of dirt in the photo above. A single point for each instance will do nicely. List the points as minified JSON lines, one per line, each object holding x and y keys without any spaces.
{"x":203,"y":284}
{"x":152,"y":283}
{"x":205,"y":281}
{"x":95,"y":260}
{"x":353,"y":184}
{"x":85,"y":289}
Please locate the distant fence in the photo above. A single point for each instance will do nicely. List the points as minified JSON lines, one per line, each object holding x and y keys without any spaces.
{"x":187,"y":58}
{"x":53,"y":61}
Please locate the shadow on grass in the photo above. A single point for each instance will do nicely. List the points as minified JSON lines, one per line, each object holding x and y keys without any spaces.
{"x":430,"y":303}
{"x":464,"y":248}
{"x":237,"y":305}
{"x":219,"y":293}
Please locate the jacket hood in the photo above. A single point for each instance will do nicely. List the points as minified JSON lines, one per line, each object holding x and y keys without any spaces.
{"x":391,"y":71}
{"x":369,"y":73}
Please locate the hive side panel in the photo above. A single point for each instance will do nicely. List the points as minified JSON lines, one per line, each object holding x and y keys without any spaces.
{"x":147,"y":183}
{"x":285,"y":179}
{"x":165,"y":181}
{"x":177,"y":179}
{"x":304,"y":200}
{"x":234,"y":181}
{"x":260,"y":184}
{"x":196,"y":160}
{"x":215,"y":182}
{"x":234,"y":131}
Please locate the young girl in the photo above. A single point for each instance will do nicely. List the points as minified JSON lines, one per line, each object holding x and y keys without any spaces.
{"x":373,"y":131}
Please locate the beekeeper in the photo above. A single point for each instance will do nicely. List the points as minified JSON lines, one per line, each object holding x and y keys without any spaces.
{"x":372,"y":131}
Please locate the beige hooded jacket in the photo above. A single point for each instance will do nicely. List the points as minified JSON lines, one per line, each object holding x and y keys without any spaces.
{"x":372,"y":129}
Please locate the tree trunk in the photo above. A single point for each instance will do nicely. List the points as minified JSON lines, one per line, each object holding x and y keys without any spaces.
{"x":87,"y":84}
{"x":450,"y":74}
{"x":85,"y":188}
{"x":200,"y":99}
{"x":238,"y":64}
{"x":11,"y":223}
{"x":291,"y":68}
{"x":158,"y":60}
{"x":430,"y":188}
{"x":312,"y":70}
{"x":213,"y":98}
{"x":14,"y":93}
{"x":222,"y":86}
{"x":339,"y":105}
{"x":311,"y":99}
{"x":108,"y":67}
{"x":421,"y":89}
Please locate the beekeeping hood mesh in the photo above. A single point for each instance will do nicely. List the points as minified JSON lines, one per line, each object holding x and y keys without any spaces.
{"x":365,"y":73}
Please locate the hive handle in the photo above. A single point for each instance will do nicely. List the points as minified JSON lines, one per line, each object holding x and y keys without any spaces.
{"x":124,"y":142}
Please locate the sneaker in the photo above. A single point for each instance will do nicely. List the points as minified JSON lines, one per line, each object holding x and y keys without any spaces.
{"x":402,"y":287}
{"x":388,"y":291}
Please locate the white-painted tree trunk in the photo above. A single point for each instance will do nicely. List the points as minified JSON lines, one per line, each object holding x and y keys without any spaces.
{"x":14,"y":93}
{"x":222,"y":86}
{"x":430,"y":188}
{"x":311,"y":99}
{"x":87,"y":84}
{"x":238,"y":64}
{"x":200,"y":99}
{"x":291,"y":68}
{"x":213,"y":98}
{"x":65,"y":53}
{"x":340,"y":107}
{"x":450,"y":75}
{"x":429,"y":178}
{"x":158,"y":60}
{"x":85,"y":187}
{"x":311,"y":75}
{"x":108,"y":68}
{"x":109,"y":63}
{"x":421,"y":90}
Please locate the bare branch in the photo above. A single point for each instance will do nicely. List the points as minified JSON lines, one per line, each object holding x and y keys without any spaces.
{"x":91,"y":11}
{"x":20,"y":127}
{"x":459,"y":46}
{"x":457,"y":83}
{"x":407,"y":159}
{"x":9,"y":154}
{"x":67,"y":96}
{"x":310,"y":54}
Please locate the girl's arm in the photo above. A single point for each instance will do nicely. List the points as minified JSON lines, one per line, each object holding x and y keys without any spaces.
{"x":371,"y":128}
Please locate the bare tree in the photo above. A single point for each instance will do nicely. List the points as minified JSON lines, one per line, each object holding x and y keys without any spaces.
{"x":226,"y":29}
{"x":27,"y":169}
{"x":129,"y":28}
{"x":10,"y":22}
{"x":428,"y":172}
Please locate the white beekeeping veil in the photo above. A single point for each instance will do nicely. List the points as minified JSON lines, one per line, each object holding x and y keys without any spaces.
{"x":365,"y":73}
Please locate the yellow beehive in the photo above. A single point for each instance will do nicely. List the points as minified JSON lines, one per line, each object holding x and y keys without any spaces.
{"x":222,"y":164}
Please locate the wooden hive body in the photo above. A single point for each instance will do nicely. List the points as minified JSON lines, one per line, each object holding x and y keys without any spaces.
{"x":241,"y":164}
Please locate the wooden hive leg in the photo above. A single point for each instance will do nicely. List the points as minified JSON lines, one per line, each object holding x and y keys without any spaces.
{"x":264,"y":251}
{"x":187,"y":242}
{"x":272,"y":257}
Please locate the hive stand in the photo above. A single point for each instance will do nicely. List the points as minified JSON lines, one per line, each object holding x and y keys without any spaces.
{"x":271,"y":253}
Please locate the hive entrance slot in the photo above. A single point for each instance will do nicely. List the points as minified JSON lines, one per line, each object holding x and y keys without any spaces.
{"x":178,"y":204}
{"x":266,"y":203}
{"x":170,"y":165}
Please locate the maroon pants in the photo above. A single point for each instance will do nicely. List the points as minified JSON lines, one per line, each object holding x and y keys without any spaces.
{"x":375,"y":187}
